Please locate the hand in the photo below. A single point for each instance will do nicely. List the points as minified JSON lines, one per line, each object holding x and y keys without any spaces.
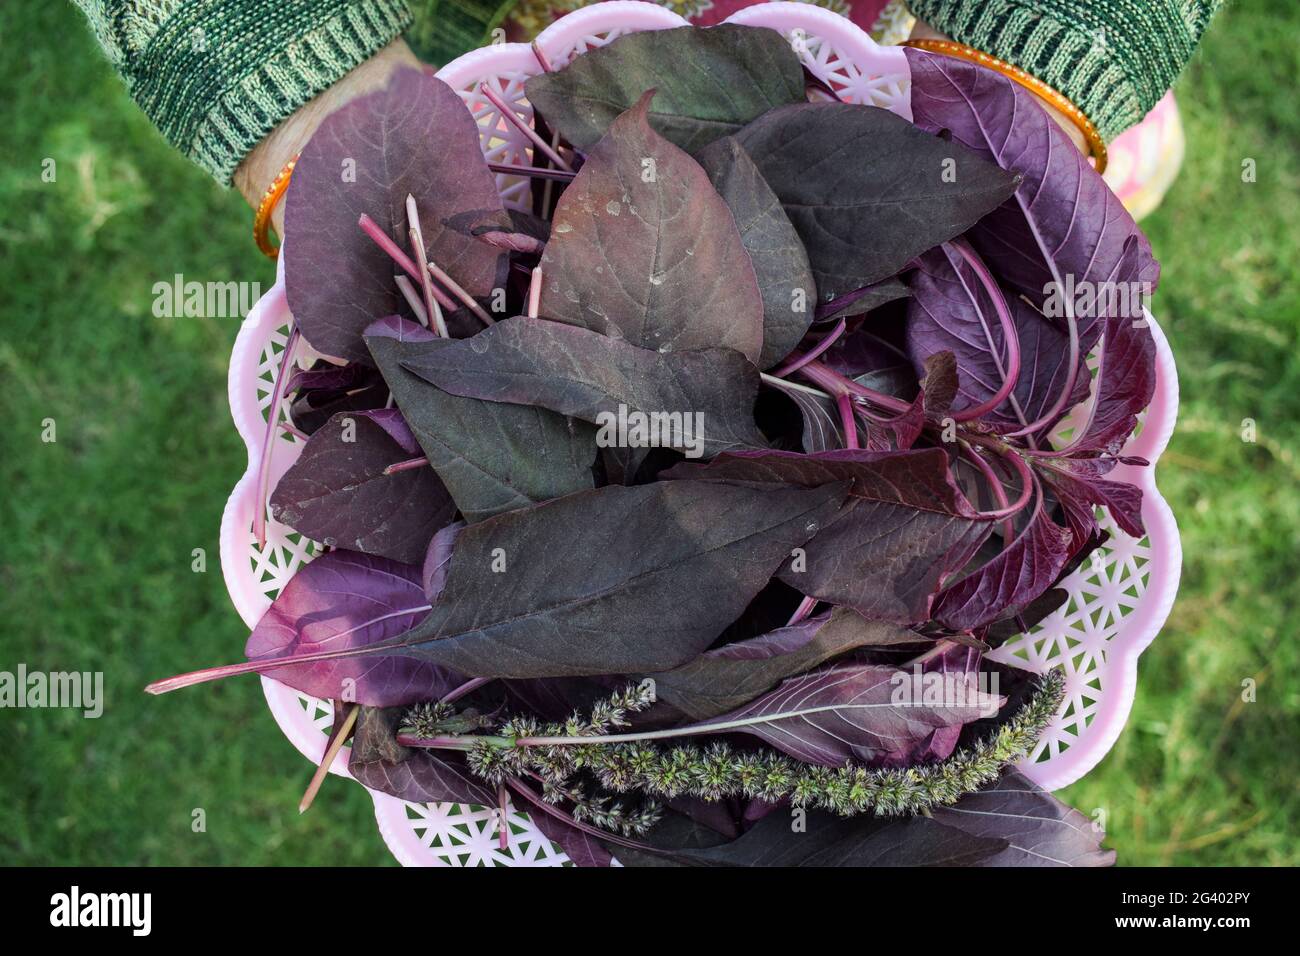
{"x":264,"y":163}
{"x":923,"y":31}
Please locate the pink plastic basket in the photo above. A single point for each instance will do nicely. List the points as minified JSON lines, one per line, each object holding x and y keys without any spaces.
{"x":1117,"y":603}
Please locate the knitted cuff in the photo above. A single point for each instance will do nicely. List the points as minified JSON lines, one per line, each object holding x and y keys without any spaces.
{"x":216,"y":76}
{"x":444,"y":29}
{"x":1113,"y":59}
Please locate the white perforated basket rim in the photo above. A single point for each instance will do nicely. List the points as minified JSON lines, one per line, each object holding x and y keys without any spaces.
{"x":1098,"y":637}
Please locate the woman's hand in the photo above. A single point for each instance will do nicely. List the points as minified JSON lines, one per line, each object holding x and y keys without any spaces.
{"x":262,"y":165}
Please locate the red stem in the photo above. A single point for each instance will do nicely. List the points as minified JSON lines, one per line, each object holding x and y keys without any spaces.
{"x":371,"y":229}
{"x":799,"y":361}
{"x":835,"y":383}
{"x":1009,"y":335}
{"x":268,"y":439}
{"x":844,"y":402}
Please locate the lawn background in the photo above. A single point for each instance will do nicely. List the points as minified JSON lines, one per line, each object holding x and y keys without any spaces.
{"x":97,"y":529}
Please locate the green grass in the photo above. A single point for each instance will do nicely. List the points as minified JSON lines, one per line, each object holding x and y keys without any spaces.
{"x":98,"y":527}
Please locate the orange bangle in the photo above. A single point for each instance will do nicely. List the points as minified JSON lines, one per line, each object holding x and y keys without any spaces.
{"x":262,"y":218}
{"x":1096,"y":145}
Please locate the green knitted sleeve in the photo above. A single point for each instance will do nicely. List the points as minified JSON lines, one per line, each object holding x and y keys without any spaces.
{"x":216,"y":76}
{"x":1114,"y":59}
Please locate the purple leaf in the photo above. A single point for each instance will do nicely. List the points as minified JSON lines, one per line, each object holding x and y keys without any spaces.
{"x":581,"y":847}
{"x":396,"y":327}
{"x":827,"y":840}
{"x":337,"y":492}
{"x":855,"y":712}
{"x":1125,"y":384}
{"x":438,"y":558}
{"x":1078,"y":492}
{"x":326,"y":377}
{"x":611,"y":581}
{"x":345,"y":600}
{"x":734,"y":674}
{"x":492,"y":457}
{"x":589,"y":376}
{"x":1038,"y":829}
{"x":862,"y":301}
{"x":904,"y":528}
{"x":1064,"y":220}
{"x":1017,"y":575}
{"x":822,"y":429}
{"x":653,"y":259}
{"x":867,"y":190}
{"x":951,"y":311}
{"x":416,"y":137}
{"x":780,"y":262}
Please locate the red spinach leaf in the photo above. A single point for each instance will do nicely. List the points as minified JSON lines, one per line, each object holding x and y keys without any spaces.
{"x":413,"y":137}
{"x":586,"y":375}
{"x":643,"y":248}
{"x":492,"y":457}
{"x":345,"y":601}
{"x":904,"y":528}
{"x":337,"y":492}
{"x":866,"y":190}
{"x":854,"y":712}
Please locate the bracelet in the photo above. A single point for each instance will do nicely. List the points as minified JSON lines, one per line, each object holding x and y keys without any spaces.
{"x":1096,"y":145}
{"x":262,"y":218}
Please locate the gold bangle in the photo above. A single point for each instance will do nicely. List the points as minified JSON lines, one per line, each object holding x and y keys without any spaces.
{"x":262,"y":218}
{"x":1096,"y":145}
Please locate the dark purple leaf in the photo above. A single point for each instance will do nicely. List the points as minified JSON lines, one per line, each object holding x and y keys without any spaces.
{"x":437,"y":559}
{"x":866,"y":190}
{"x":1018,"y":574}
{"x":580,"y":847}
{"x":1038,"y":829}
{"x":951,"y":311}
{"x":324,"y":376}
{"x":345,"y":600}
{"x":709,"y":393}
{"x":709,"y":83}
{"x":826,"y":841}
{"x":904,"y":528}
{"x":1079,"y":492}
{"x":404,"y":330}
{"x":861,"y":712}
{"x":337,"y":492}
{"x":780,"y":263}
{"x":1064,"y":220}
{"x":734,"y":674}
{"x":822,"y":429}
{"x":415,"y":136}
{"x":643,"y":248}
{"x":492,"y":457}
{"x":611,"y":581}
{"x":1124,"y":385}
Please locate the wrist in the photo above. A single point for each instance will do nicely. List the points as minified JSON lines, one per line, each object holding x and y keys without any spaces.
{"x":260,"y":167}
